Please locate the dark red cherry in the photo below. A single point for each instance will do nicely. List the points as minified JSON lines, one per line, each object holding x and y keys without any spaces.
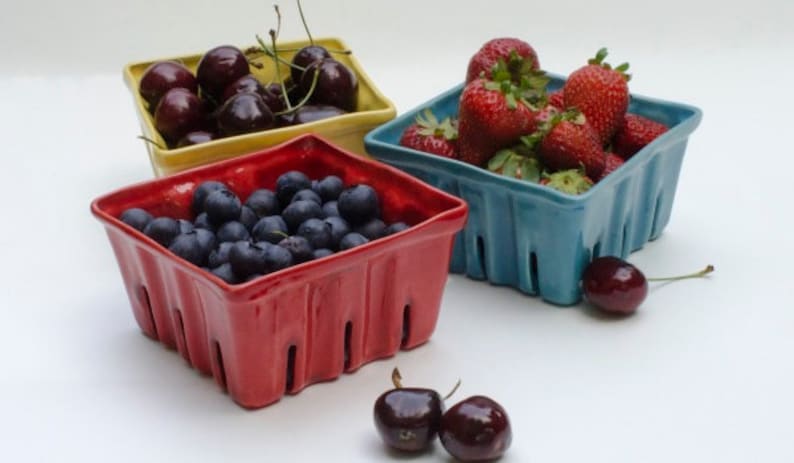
{"x":245,"y":84}
{"x":245,"y":113}
{"x":161,"y":77}
{"x":614,"y":285}
{"x":179,"y":112}
{"x":476,"y":429}
{"x":618,"y":287}
{"x":336,"y":84}
{"x":310,"y":113}
{"x":306,"y":56}
{"x":408,"y":418}
{"x":219,"y":67}
{"x":195,"y":138}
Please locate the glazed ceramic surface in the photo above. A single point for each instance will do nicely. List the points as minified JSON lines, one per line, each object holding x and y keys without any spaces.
{"x":304,"y":324}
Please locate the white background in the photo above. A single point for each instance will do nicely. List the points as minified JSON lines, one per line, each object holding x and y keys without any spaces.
{"x":702,"y":374}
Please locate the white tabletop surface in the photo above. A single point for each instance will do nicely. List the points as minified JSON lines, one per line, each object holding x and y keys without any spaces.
{"x":703,"y":373}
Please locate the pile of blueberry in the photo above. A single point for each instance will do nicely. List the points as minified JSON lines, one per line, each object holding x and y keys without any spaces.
{"x":301,"y":220}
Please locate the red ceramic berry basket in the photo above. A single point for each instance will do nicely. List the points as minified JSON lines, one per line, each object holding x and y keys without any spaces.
{"x":311,"y":322}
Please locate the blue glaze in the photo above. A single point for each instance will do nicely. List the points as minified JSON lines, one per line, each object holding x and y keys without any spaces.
{"x":537,"y":239}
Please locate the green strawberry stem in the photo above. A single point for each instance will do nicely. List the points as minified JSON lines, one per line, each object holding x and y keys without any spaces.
{"x":598,"y":60}
{"x":709,"y":268}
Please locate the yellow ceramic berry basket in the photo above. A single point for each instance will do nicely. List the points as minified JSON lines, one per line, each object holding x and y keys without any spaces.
{"x":346,"y":131}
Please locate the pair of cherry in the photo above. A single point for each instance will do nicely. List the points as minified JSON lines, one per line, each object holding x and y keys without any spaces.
{"x":409,"y":419}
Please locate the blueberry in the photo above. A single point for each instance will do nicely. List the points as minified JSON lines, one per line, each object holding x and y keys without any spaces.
{"x":188,"y":247}
{"x":222,"y":206}
{"x":162,"y":229}
{"x":271,"y":228}
{"x":206,"y":239}
{"x":299,"y":247}
{"x":307,"y":195}
{"x":373,"y":229}
{"x":203,"y":221}
{"x":324,"y":252}
{"x":330,"y":209}
{"x":290,"y":183}
{"x":277,"y":258}
{"x":317,"y":233}
{"x":220,"y":255}
{"x":263,"y":202}
{"x":329,"y":188}
{"x":201,"y":192}
{"x":232,"y":231}
{"x":358,"y":204}
{"x":248,"y":217}
{"x":339,"y":228}
{"x":396,"y":227}
{"x":185,"y":226}
{"x":225,"y":273}
{"x":352,"y":240}
{"x":136,"y":218}
{"x":246,"y":258}
{"x":300,"y":211}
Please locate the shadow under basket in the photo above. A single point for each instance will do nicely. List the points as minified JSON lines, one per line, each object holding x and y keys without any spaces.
{"x":304,"y":324}
{"x":534,"y":238}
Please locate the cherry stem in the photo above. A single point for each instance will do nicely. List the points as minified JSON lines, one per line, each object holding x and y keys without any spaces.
{"x":278,"y":20}
{"x":454,"y":389}
{"x":709,"y":268}
{"x":396,"y":378}
{"x":278,"y":70}
{"x":149,"y":140}
{"x":305,"y":99}
{"x":303,"y":20}
{"x":266,"y":50}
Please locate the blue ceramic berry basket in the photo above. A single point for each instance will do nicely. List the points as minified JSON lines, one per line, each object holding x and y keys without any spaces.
{"x":536,"y":239}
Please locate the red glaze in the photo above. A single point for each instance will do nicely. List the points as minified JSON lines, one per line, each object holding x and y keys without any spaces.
{"x":339,"y":312}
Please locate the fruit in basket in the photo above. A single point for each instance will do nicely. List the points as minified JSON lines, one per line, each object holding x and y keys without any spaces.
{"x":611,"y":163}
{"x":136,"y":218}
{"x":245,"y":84}
{"x":178,"y":113}
{"x":305,"y":57}
{"x":335,"y":85}
{"x":430,"y":135}
{"x":495,"y":111}
{"x":601,"y":93}
{"x":162,"y":76}
{"x":506,"y":49}
{"x":245,"y":113}
{"x":358,"y":204}
{"x":615,"y":286}
{"x":310,"y":113}
{"x":219,"y":67}
{"x":476,"y":429}
{"x":567,"y":141}
{"x":271,"y":230}
{"x":634,"y":133}
{"x":572,"y":181}
{"x":194,"y":138}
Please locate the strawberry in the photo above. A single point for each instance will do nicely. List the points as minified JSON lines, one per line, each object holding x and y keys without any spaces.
{"x":501,"y":48}
{"x":495,"y":112}
{"x":600,"y":93}
{"x":611,"y":162}
{"x":571,"y":181}
{"x":431,"y":136}
{"x":557,"y":99}
{"x":567,"y":141}
{"x":515,"y":162}
{"x":634,"y":133}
